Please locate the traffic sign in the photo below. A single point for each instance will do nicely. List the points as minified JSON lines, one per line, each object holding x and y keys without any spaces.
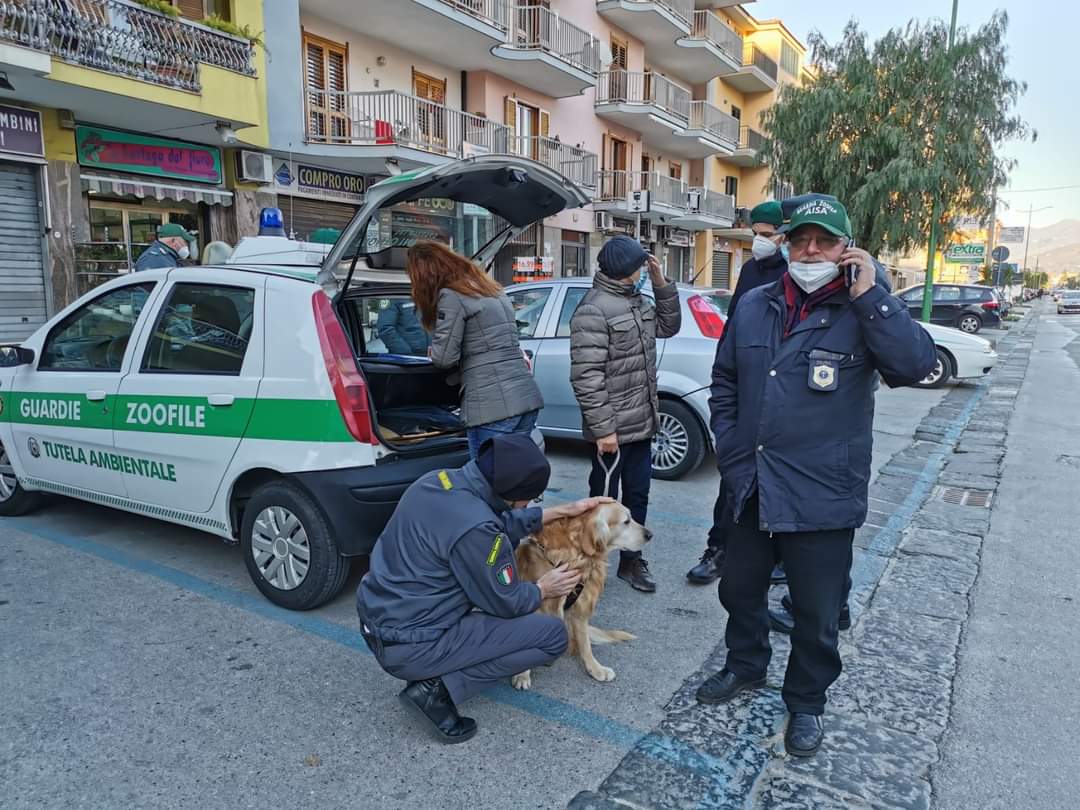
{"x":1000,"y":253}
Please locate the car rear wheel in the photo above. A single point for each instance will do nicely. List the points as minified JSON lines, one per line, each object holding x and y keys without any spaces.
{"x":289,"y":549}
{"x":969,"y":323}
{"x":14,"y":500}
{"x":679,"y":444}
{"x":943,"y":370}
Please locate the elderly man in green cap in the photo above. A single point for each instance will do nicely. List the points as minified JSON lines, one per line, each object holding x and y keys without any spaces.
{"x":174,"y":244}
{"x":767,"y":266}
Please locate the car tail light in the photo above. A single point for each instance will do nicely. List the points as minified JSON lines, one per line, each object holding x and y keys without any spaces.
{"x":350,"y":388}
{"x":990,"y":305}
{"x":709,"y":321}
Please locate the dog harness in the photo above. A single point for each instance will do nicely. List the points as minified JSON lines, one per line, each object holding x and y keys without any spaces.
{"x":571,"y":597}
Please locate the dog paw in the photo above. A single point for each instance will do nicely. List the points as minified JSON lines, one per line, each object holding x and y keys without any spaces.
{"x":524,"y":680}
{"x":603,"y":674}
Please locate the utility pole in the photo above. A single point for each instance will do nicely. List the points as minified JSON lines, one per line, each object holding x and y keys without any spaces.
{"x":935,"y":212}
{"x":991,"y":236}
{"x":1027,"y":234}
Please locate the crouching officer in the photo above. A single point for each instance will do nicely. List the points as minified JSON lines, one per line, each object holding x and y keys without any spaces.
{"x":447,"y":550}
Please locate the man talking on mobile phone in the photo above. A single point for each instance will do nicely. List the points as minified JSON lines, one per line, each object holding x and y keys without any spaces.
{"x":792,"y":412}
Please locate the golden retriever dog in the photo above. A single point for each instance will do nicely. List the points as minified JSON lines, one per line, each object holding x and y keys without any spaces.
{"x":582,"y":543}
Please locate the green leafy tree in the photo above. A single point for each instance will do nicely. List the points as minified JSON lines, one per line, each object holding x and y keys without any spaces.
{"x":1036,"y":281}
{"x":885,"y":126}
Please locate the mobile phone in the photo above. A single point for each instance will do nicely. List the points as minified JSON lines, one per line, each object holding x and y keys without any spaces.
{"x":851,"y":268}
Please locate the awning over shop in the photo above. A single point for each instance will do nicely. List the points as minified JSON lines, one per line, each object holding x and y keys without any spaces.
{"x":138,"y":187}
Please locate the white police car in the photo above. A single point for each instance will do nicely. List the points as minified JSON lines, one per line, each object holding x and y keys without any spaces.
{"x":245,"y":399}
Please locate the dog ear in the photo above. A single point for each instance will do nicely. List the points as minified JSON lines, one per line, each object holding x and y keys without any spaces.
{"x":600,"y":530}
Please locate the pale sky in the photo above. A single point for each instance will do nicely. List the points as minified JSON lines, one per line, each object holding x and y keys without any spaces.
{"x":1042,"y":46}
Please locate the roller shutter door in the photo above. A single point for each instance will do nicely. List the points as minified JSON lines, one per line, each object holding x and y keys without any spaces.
{"x":304,"y":216}
{"x":22,"y":277}
{"x":721,"y":270}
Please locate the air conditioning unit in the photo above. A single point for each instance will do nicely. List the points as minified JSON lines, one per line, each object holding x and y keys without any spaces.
{"x":254,"y":167}
{"x":604,"y":221}
{"x":693,"y":200}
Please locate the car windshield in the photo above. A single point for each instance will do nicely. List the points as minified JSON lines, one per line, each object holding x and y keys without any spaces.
{"x":1072,"y":295}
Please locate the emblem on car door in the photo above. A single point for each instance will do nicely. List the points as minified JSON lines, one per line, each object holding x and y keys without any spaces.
{"x":32,"y":444}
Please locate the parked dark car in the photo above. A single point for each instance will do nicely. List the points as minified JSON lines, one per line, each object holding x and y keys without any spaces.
{"x":967,"y":307}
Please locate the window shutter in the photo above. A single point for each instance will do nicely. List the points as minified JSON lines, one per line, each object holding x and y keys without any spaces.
{"x":192,"y":9}
{"x":545,"y":123}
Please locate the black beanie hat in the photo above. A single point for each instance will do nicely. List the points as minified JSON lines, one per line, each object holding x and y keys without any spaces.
{"x":620,"y":257}
{"x":514,"y":466}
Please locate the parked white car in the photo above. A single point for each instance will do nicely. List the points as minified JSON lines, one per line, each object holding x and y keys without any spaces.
{"x":960,"y":356}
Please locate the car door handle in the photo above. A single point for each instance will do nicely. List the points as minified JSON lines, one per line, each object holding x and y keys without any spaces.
{"x":95,"y":396}
{"x":221,"y":400}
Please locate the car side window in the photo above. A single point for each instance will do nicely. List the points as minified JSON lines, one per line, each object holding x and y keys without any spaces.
{"x":528,"y":307}
{"x":978,"y":294}
{"x":202,"y":329}
{"x":569,"y":307}
{"x":95,"y":336}
{"x":946,"y":294}
{"x":914,"y":296}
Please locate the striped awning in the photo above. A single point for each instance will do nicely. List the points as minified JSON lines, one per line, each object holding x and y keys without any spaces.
{"x":138,"y":187}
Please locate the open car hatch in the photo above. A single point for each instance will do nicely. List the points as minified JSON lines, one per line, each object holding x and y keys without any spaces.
{"x":516,"y":190}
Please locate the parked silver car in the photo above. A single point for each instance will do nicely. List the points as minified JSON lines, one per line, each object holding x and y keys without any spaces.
{"x":544,"y":309}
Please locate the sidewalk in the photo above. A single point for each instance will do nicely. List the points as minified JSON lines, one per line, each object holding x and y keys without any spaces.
{"x":916,"y":562}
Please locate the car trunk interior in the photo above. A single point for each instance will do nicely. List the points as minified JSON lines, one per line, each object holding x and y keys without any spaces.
{"x":416,"y":406}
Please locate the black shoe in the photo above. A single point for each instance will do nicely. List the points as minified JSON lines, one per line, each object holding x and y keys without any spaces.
{"x":430,"y":700}
{"x":778,"y":575}
{"x":804,"y":734}
{"x":725,"y":685}
{"x":776,"y":617}
{"x":709,"y":569}
{"x":636,"y":572}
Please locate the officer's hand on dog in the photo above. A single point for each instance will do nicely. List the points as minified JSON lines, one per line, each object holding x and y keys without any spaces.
{"x":608,"y":445}
{"x":558,"y":582}
{"x":568,"y":510}
{"x":867,"y":271}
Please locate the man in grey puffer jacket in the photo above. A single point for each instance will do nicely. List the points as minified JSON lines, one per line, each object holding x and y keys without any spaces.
{"x":613,"y":372}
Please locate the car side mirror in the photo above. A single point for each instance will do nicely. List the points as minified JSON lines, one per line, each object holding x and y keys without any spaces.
{"x":11,"y":356}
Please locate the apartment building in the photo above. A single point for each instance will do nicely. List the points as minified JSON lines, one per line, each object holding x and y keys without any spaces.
{"x":114,"y":119}
{"x":619,"y":95}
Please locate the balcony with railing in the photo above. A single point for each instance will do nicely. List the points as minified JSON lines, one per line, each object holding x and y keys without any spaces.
{"x":758,"y":73}
{"x":707,"y":210}
{"x":750,"y":143}
{"x":667,"y":195}
{"x":711,"y":131}
{"x":649,"y":103}
{"x":548,"y":53}
{"x":125,"y":39}
{"x":712,"y":49}
{"x":572,"y":162}
{"x":654,"y":22}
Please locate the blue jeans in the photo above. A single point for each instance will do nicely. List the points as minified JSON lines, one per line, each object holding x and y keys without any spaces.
{"x":478,"y":434}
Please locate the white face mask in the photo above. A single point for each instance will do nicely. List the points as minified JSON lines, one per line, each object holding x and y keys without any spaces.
{"x":812,"y":276}
{"x":763,"y":247}
{"x":184,"y":252}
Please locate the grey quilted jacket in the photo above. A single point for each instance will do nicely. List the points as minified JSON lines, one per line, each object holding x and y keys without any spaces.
{"x":480,"y":336}
{"x":613,"y":357}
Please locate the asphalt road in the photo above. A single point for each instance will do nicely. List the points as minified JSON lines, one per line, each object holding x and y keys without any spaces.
{"x":141,"y":668}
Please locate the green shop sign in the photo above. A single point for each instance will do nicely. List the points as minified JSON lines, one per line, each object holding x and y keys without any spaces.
{"x":101,"y":148}
{"x":971,"y":253}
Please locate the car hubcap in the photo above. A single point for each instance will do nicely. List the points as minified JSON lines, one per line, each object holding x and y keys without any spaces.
{"x":280,"y":547}
{"x":8,"y":482}
{"x":969,"y":325}
{"x":670,"y":444}
{"x":935,"y":375}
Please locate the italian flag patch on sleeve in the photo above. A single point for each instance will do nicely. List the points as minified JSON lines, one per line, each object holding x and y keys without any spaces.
{"x":505,"y":575}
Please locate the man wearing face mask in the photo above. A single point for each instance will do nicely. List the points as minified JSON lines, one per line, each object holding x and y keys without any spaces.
{"x":767,"y":266}
{"x":613,"y":372}
{"x":173,"y":245}
{"x":792,"y":412}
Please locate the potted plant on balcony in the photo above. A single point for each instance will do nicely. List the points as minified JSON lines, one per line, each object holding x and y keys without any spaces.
{"x":240,"y":31}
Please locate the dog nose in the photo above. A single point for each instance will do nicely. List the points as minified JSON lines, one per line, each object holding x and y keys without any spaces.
{"x":648,"y":535}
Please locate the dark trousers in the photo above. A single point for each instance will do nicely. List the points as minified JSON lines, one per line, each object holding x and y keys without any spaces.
{"x":721,"y":517}
{"x":478,"y":651}
{"x":633,"y":476}
{"x":817,"y":565}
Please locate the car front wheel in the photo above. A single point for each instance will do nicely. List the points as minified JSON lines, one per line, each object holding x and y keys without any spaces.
{"x":679,"y":444}
{"x":14,"y":500}
{"x":289,"y":548}
{"x":969,"y":323}
{"x":941,"y":373}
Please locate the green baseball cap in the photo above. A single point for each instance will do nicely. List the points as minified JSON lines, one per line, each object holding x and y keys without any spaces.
{"x":828,"y":214}
{"x":172,"y":229}
{"x":769,"y":213}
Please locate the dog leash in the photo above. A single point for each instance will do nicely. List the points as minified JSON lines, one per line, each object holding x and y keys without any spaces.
{"x":608,"y":471}
{"x":574,"y":594}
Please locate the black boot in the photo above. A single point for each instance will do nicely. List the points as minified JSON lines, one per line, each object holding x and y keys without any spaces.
{"x":635,"y":571}
{"x":804,"y":734}
{"x":725,"y":685}
{"x":710,"y":569}
{"x":782,"y":621}
{"x":430,"y":700}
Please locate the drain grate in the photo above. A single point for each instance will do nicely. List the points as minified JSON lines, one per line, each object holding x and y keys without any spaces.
{"x":966,"y":497}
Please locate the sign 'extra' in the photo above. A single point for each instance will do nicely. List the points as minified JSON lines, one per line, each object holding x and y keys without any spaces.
{"x":970,"y":253}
